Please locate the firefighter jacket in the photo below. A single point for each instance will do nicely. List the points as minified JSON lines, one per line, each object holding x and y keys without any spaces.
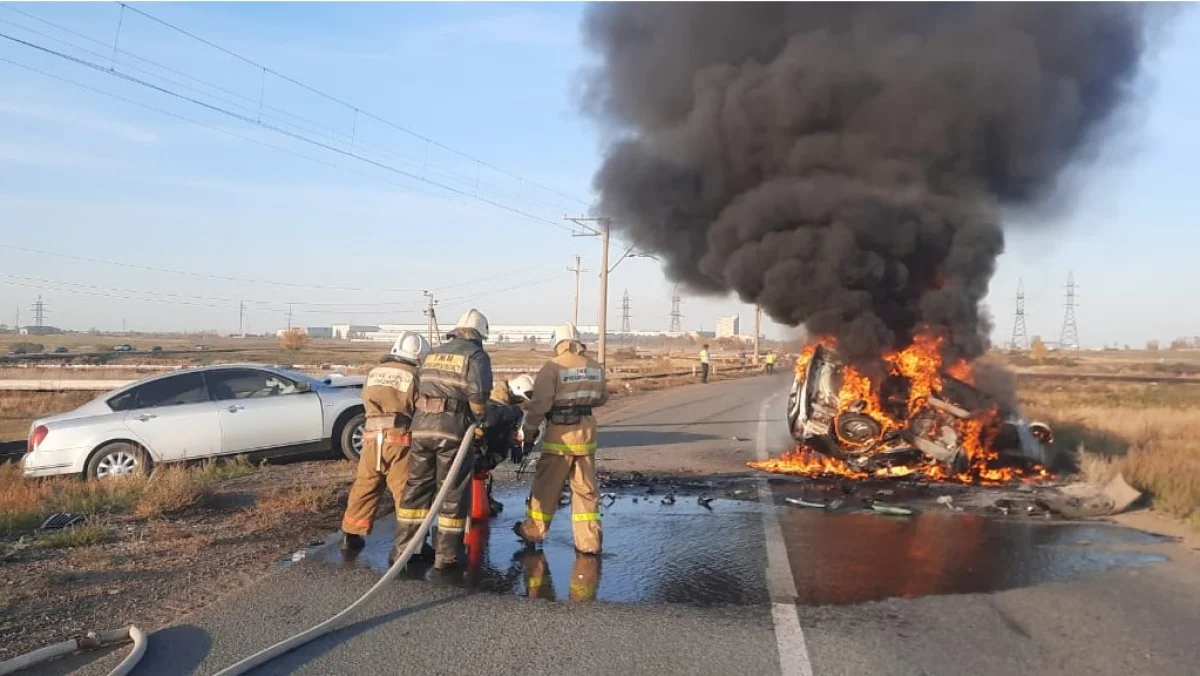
{"x":389,"y":395}
{"x":564,"y":393}
{"x":455,"y":380}
{"x":502,"y":420}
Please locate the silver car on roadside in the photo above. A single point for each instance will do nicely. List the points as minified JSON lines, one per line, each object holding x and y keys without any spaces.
{"x":206,"y":412}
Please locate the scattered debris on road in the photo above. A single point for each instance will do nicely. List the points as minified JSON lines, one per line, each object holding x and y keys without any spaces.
{"x":891,"y":510}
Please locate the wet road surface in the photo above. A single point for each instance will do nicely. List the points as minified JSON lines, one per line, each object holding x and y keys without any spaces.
{"x":681,"y":589}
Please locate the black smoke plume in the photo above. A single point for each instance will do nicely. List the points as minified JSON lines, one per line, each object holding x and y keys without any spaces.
{"x":845,"y":165}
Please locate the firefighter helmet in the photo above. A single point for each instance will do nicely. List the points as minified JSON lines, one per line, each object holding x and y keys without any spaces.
{"x":521,"y":386}
{"x":410,"y":346}
{"x":473,"y":319}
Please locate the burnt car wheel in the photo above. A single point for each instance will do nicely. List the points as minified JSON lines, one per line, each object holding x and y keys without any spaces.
{"x":857,"y":428}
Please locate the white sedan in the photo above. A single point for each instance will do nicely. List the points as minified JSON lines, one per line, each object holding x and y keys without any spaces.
{"x":199,"y":413}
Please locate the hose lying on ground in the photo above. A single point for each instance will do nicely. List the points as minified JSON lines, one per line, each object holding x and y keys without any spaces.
{"x":91,"y":641}
{"x":332,"y":623}
{"x":100,"y":639}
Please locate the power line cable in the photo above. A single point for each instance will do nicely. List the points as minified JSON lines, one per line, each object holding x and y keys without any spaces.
{"x":229,"y":132}
{"x":299,"y":137}
{"x":247,"y":280}
{"x":350,"y":106}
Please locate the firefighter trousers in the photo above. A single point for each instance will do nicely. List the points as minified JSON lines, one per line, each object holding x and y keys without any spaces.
{"x":429,"y":464}
{"x":378,"y":464}
{"x":553,"y":471}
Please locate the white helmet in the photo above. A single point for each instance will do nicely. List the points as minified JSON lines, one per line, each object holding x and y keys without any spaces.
{"x":410,"y":346}
{"x":565,"y":332}
{"x":473,"y":319}
{"x":521,"y":386}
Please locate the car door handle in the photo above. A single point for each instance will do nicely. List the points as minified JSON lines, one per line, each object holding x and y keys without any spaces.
{"x":144,"y":417}
{"x":235,"y":408}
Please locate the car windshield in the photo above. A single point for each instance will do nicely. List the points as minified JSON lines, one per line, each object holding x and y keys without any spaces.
{"x":298,"y":376}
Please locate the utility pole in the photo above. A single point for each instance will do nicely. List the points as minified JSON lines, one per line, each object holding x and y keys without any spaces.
{"x":431,"y":325}
{"x":1020,"y":341}
{"x":289,"y":328}
{"x":577,"y":269}
{"x":625,"y":313}
{"x":757,"y":330}
{"x":676,"y":315}
{"x":1069,"y":339}
{"x":39,"y":312}
{"x":603,"y":234}
{"x":242,"y":318}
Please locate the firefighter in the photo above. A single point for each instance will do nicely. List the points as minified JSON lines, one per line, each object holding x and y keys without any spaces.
{"x":503,"y":422}
{"x":388,"y":397}
{"x":455,"y":380}
{"x":704,"y":363}
{"x":566,"y":390}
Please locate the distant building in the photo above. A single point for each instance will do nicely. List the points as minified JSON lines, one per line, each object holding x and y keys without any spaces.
{"x":310,"y":331}
{"x":498,"y":334}
{"x":40,"y":330}
{"x":352,"y":331}
{"x":727,"y":327}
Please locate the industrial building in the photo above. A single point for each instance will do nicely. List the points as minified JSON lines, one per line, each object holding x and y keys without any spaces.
{"x":728,"y":327}
{"x":497,"y":333}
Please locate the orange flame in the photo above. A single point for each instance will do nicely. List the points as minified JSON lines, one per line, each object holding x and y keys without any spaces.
{"x":921,"y":365}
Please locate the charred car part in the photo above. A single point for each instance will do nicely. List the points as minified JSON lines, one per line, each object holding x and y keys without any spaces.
{"x":820,"y":420}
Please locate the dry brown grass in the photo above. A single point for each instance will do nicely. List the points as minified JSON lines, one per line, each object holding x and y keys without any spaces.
{"x":1149,"y":432}
{"x":305,"y":499}
{"x":19,"y":409}
{"x":25,"y":503}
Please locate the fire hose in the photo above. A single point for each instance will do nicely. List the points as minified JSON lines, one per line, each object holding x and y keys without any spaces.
{"x":96,"y":640}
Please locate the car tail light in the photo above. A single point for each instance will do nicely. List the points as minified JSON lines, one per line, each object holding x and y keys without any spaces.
{"x":37,"y":436}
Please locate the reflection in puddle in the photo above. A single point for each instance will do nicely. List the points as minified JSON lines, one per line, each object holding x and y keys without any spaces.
{"x":682,"y":553}
{"x":688,"y":553}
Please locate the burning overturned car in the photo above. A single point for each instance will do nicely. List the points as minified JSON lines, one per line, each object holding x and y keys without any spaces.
{"x":919,"y":420}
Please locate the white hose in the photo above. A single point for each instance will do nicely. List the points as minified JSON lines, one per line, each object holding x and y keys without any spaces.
{"x":329,"y":625}
{"x":91,"y":641}
{"x":99,"y":639}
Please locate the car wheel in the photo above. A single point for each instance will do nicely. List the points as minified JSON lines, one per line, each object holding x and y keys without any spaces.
{"x":351,"y":438}
{"x":118,"y":459}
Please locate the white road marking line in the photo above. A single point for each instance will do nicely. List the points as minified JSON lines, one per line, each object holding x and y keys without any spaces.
{"x":789,"y":637}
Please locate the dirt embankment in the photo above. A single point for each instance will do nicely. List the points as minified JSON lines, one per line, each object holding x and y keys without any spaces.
{"x":148,"y":555}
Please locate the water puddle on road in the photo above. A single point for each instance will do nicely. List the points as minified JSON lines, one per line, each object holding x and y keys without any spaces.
{"x":678,"y":553}
{"x":687,"y":553}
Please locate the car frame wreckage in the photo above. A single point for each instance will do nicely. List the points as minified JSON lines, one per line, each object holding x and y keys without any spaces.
{"x":818,"y":420}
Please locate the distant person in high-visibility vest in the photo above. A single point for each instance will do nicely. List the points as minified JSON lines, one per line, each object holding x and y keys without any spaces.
{"x":704,"y":363}
{"x":770,"y":361}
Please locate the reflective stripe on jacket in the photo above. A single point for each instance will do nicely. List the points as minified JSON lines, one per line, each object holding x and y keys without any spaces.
{"x":571,"y":378}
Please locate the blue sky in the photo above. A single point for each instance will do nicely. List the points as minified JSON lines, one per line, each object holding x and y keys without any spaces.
{"x":158,"y":182}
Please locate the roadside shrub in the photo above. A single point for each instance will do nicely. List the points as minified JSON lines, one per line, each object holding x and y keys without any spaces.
{"x":293,"y":340}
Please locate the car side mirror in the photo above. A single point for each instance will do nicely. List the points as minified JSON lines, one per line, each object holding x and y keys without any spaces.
{"x":302,"y":387}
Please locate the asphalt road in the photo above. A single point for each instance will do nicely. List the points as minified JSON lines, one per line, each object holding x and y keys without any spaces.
{"x":816,"y":593}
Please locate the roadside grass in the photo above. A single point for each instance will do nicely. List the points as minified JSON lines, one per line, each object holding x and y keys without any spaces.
{"x":19,"y":409}
{"x":305,"y":499}
{"x":85,"y":535}
{"x":172,"y":489}
{"x":1150,"y":433}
